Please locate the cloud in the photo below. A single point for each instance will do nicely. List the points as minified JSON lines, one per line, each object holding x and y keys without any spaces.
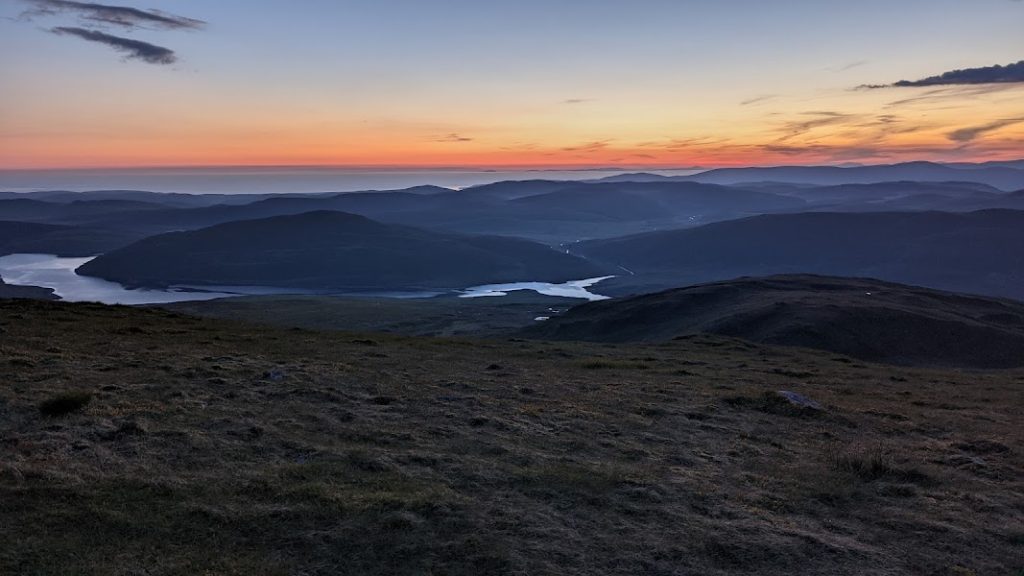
{"x":453,"y":137}
{"x":1009,"y":74}
{"x":845,"y":67}
{"x":133,"y":49}
{"x":576,"y":101}
{"x":817,"y":120}
{"x":834,"y":153}
{"x":685,"y":144}
{"x":851,"y":66}
{"x":588,"y":147}
{"x":971,"y":133}
{"x":757,"y":99}
{"x":124,"y":16}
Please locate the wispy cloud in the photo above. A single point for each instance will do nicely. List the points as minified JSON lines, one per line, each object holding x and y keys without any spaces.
{"x":124,"y":16}
{"x":453,"y":137}
{"x":971,"y":133}
{"x":847,"y":66}
{"x":589,"y":147}
{"x":757,"y":99}
{"x":95,"y":18}
{"x":834,"y":153}
{"x":577,"y":101}
{"x":952,"y":94}
{"x":133,"y":49}
{"x":813,"y":120}
{"x":1009,"y":74}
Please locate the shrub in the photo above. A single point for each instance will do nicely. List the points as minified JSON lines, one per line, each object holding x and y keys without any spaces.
{"x":65,"y":403}
{"x":867,"y":462}
{"x":871,"y":462}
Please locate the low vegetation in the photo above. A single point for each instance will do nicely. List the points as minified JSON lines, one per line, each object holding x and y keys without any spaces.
{"x":65,"y":403}
{"x":217,"y":447}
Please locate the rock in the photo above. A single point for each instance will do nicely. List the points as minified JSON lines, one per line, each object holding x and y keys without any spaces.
{"x":130,"y":428}
{"x":798,"y":400}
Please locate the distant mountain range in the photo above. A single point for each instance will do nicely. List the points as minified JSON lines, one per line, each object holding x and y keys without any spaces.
{"x":925,"y":223}
{"x":553,"y":212}
{"x":976,"y":252}
{"x":547,"y":211}
{"x":1005,"y":176}
{"x":867,"y":319}
{"x":327,"y":250}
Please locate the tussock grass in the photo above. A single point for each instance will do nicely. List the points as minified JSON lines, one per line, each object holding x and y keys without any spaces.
{"x":424,"y":462}
{"x":869,"y":462}
{"x":65,"y":403}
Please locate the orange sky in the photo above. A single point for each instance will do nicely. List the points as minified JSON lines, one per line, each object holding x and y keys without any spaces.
{"x":498,"y":90}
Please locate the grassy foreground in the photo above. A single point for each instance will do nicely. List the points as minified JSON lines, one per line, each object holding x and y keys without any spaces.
{"x":137,"y":441}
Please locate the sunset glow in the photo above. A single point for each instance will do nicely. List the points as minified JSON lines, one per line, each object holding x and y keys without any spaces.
{"x":488,"y":84}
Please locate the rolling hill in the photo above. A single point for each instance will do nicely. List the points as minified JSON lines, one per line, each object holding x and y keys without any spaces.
{"x":866,"y":319}
{"x":327,"y":250}
{"x":975,"y":252}
{"x":656,"y":201}
{"x":39,"y":238}
{"x":546,"y":211}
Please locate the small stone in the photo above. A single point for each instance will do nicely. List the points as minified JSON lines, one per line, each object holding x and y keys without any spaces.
{"x":798,"y":400}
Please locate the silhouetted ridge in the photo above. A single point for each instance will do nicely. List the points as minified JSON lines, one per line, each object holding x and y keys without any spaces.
{"x":868,"y":319}
{"x":328,"y":250}
{"x":968,"y":252}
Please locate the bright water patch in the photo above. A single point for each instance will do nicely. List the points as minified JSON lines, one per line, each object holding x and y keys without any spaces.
{"x":51,"y":271}
{"x":572,"y":289}
{"x":58,"y":273}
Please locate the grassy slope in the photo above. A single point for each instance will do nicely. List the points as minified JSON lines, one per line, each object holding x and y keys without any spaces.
{"x":860,"y":317}
{"x":442,"y":316}
{"x":221,"y":448}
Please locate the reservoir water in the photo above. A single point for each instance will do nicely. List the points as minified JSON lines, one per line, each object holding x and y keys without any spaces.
{"x":58,"y":273}
{"x":572,"y":289}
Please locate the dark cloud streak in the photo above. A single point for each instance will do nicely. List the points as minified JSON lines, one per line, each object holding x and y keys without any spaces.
{"x":588,"y":147}
{"x":971,"y":133}
{"x":817,"y":119}
{"x":453,"y":137}
{"x":757,"y":99}
{"x":133,"y":49}
{"x":124,"y":16}
{"x":1009,"y":74}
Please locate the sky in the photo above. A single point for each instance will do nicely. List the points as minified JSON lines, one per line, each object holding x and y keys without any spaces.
{"x":501,"y":83}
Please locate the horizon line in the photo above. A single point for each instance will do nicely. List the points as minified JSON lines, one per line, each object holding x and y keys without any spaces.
{"x":478,"y":168}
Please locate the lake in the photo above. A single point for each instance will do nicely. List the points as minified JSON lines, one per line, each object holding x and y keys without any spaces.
{"x":50,"y":271}
{"x":58,"y":273}
{"x":572,"y":289}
